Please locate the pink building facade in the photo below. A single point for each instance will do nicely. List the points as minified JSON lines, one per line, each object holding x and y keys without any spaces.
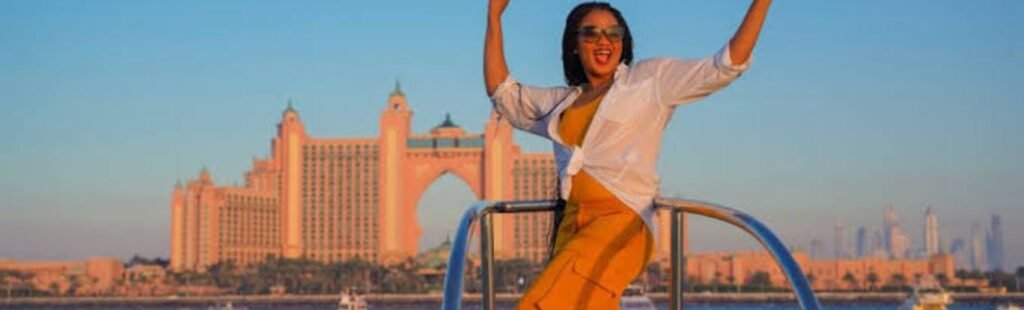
{"x":94,"y":276}
{"x":334,"y":199}
{"x":824,"y":275}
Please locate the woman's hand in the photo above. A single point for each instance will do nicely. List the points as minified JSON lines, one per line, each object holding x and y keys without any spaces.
{"x":496,"y":7}
{"x":495,"y":70}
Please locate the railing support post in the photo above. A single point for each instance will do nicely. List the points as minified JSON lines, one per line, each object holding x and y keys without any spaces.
{"x":487,"y":260}
{"x":678,"y":266}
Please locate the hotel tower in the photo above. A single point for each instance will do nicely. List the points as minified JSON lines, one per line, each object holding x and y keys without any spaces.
{"x":335,"y":199}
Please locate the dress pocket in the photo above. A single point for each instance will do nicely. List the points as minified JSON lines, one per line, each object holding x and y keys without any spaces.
{"x":605,"y":276}
{"x":579,"y":287}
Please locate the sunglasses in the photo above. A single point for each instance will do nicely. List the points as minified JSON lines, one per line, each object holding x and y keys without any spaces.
{"x":591,"y":34}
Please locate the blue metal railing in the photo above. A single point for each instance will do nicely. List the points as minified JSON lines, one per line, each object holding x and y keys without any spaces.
{"x":484,"y":211}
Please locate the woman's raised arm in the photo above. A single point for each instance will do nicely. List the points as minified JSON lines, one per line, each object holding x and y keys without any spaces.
{"x":495,"y":69}
{"x":685,"y":81}
{"x":742,"y":43}
{"x":524,"y":106}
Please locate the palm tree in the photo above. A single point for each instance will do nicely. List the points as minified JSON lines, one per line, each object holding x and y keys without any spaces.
{"x":507,"y":272}
{"x":943,"y":279}
{"x":472,"y":276}
{"x":872,"y":279}
{"x":8,"y":278}
{"x":692,"y":282}
{"x":75,"y":285}
{"x":716,"y":281}
{"x":732,"y":282}
{"x":898,"y":280}
{"x":851,"y":280}
{"x":654,"y":275}
{"x":224,"y":274}
{"x":961,"y":274}
{"x":762,"y":280}
{"x":14,"y":278}
{"x":55,"y":289}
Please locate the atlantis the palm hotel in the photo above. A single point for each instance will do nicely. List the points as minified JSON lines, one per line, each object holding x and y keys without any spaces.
{"x":336,"y":199}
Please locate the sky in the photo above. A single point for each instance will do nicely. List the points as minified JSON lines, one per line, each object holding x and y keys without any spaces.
{"x":847,"y":107}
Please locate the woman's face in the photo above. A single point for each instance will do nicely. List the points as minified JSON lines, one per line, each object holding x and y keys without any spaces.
{"x":600,"y":54}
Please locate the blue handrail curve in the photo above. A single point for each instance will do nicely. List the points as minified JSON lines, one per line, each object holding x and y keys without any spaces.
{"x":801,"y":287}
{"x":457,"y":258}
{"x":460,"y":247}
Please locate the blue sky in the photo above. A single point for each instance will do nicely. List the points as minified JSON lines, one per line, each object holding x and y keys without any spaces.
{"x":849,"y":106}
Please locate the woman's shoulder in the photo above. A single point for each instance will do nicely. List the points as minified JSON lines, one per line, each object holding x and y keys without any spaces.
{"x":661,"y":61}
{"x":645,"y":69}
{"x":655,"y":66}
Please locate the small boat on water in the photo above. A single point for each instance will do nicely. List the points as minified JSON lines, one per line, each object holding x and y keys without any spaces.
{"x":351,"y":301}
{"x":930,"y":298}
{"x":227,"y":306}
{"x":1008,"y":307}
{"x":634,"y":298}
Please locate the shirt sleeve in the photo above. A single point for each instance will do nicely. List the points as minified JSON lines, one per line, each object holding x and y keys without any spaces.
{"x":526,"y":107}
{"x":682,"y":81}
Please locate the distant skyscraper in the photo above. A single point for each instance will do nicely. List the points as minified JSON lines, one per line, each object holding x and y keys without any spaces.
{"x":841,"y":249}
{"x":817,"y":249}
{"x":977,"y":248}
{"x":958,"y":249}
{"x":878,"y":245}
{"x":994,"y":245}
{"x":862,"y":242}
{"x":889,"y":221}
{"x":931,"y":232}
{"x":899,"y":244}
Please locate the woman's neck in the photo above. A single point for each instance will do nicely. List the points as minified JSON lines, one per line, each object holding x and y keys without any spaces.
{"x":599,"y":87}
{"x":590,"y":93}
{"x":598,"y":82}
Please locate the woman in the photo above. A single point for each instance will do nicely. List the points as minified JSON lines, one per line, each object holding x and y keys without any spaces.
{"x":606,"y":127}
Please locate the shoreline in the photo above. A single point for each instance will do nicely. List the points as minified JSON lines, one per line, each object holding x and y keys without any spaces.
{"x":692,"y":298}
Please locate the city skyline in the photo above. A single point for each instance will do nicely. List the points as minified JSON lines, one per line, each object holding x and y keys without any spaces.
{"x":984,"y":252}
{"x":108,"y":104}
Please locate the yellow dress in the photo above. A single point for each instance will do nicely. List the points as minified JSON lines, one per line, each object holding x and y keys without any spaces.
{"x":601,"y":244}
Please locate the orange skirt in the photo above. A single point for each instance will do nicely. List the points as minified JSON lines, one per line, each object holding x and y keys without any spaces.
{"x":601,"y":246}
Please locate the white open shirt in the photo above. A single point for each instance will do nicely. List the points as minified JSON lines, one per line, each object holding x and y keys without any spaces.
{"x":621,"y":146}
